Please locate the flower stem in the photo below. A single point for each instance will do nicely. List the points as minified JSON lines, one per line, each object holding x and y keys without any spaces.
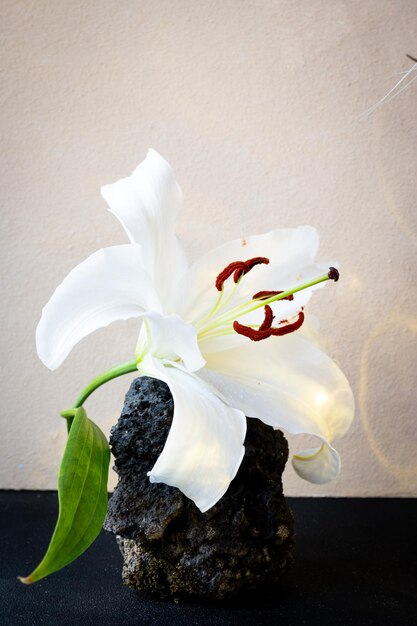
{"x":114,"y":372}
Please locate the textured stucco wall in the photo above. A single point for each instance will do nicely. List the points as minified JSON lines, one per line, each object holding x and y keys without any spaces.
{"x":256,"y":104}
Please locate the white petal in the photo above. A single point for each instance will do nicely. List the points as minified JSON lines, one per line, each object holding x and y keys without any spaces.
{"x":147,"y":204}
{"x":204,"y":448}
{"x":109,"y":285}
{"x":169,"y":337}
{"x":287,"y":382}
{"x":291,"y":253}
{"x":318,"y":465}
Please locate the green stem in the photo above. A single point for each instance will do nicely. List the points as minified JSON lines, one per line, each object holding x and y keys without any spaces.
{"x":114,"y":372}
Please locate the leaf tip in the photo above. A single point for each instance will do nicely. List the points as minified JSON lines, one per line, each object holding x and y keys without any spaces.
{"x":26,"y":580}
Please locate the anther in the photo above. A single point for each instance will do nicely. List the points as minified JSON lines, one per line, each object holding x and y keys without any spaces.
{"x":289,"y":328}
{"x":238,"y":269}
{"x":251,"y":333}
{"x":236,"y":266}
{"x":263,"y":295}
{"x":269,"y":318}
{"x":257,"y":260}
{"x":266,"y":329}
{"x":333,"y":274}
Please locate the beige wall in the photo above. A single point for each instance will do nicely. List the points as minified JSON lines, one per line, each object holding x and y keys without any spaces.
{"x":256,"y":104}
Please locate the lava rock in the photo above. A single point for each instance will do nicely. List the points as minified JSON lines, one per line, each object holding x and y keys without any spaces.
{"x":242,"y":544}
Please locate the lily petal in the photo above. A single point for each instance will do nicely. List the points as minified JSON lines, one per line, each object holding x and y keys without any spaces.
{"x":318,"y":465}
{"x":290,"y":383}
{"x":109,"y":285}
{"x":204,"y":448}
{"x":169,"y":337}
{"x":291,"y":253}
{"x":147,"y":204}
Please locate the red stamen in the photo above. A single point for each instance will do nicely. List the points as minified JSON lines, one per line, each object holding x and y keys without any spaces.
{"x":239,"y":268}
{"x":239,"y":273}
{"x":257,"y":260}
{"x":248,"y":265}
{"x":265,"y":330}
{"x":263,"y":295}
{"x":290,"y":328}
{"x":269,"y":318}
{"x":227,"y":272}
{"x":251,"y":333}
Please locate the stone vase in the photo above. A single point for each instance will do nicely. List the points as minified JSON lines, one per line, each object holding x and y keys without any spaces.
{"x":172,"y":550}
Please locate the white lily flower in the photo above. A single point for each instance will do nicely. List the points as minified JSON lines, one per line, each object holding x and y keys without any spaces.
{"x":196,"y":328}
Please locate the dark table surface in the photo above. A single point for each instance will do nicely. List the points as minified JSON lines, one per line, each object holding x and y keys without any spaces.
{"x":355,"y":564}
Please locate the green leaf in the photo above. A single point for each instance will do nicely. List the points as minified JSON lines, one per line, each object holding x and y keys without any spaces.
{"x":82,"y":493}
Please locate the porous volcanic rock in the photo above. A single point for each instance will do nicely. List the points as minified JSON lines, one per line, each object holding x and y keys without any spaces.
{"x":242,"y":544}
